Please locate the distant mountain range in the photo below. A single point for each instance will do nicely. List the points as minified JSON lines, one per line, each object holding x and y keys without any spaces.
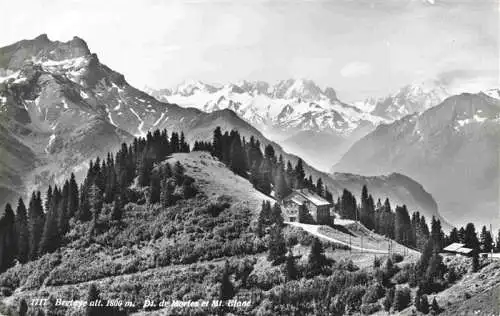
{"x":452,"y":149}
{"x":410,"y":99}
{"x":289,"y":112}
{"x":300,"y":115}
{"x":60,"y":106}
{"x":288,"y":106}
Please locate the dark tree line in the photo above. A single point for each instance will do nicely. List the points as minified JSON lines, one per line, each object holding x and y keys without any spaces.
{"x":396,"y":224}
{"x":467,"y":235}
{"x":32,"y":231}
{"x":265,"y":169}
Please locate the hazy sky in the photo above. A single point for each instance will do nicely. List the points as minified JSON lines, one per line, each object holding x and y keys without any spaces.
{"x":359,"y":47}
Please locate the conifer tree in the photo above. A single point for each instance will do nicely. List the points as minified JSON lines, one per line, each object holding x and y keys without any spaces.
{"x":367,"y":209}
{"x":23,"y":308}
{"x":277,"y":245}
{"x":276,"y":215}
{"x":270,"y":154}
{"x":155,"y":188}
{"x":291,"y":272}
{"x":461,"y":235}
{"x":50,"y":237}
{"x":48,"y":198}
{"x":95,"y":200}
{"x":178,"y":173}
{"x":264,"y":218}
{"x":35,"y":224}
{"x":437,"y":234}
{"x":237,"y":158}
{"x":348,"y":205}
{"x":167,"y":192}
{"x":475,"y":261}
{"x":304,"y":215}
{"x":497,"y":242}
{"x":63,"y":217}
{"x":175,"y":143}
{"x":264,"y":176}
{"x":22,"y":232}
{"x":486,"y":240}
{"x":424,"y":304}
{"x":389,"y":299}
{"x":435,"y":268}
{"x":454,"y":236}
{"x":402,"y":226}
{"x":317,"y":259}
{"x":299,"y":174}
{"x":227,"y":290}
{"x":435,"y":309}
{"x":184,"y":147}
{"x":320,"y":190}
{"x":144,"y":170}
{"x":281,"y":189}
{"x":470,"y":237}
{"x":84,"y":214}
{"x":188,"y":187}
{"x":217,"y":143}
{"x":118,"y":205}
{"x":418,"y":301}
{"x":7,"y":239}
{"x":402,"y":298}
{"x":92,"y":297}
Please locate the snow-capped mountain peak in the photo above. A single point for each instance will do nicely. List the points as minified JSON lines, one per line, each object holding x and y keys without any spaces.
{"x":288,"y":105}
{"x":297,"y":88}
{"x":190,"y":87}
{"x":413,"y":98}
{"x":493,"y":93}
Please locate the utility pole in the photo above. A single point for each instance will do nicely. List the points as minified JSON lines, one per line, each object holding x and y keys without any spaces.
{"x":362,"y":244}
{"x":356,"y":212}
{"x":350,"y":248}
{"x":492,"y":243}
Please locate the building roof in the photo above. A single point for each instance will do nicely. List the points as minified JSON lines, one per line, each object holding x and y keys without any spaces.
{"x":297,"y":199}
{"x":453,"y":247}
{"x":457,"y":247}
{"x":300,"y":196}
{"x":464,"y":250}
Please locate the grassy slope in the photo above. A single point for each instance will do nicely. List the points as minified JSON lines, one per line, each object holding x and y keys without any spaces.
{"x":165,"y":253}
{"x":476,"y":294}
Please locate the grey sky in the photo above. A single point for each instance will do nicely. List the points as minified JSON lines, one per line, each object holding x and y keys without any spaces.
{"x":359,"y":47}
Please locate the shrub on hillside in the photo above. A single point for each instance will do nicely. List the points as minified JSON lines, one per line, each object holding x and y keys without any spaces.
{"x":396,"y":257}
{"x":352,"y":297}
{"x":402,"y":299}
{"x":266,"y":280}
{"x":304,"y":238}
{"x":348,"y":265}
{"x":373,"y":293}
{"x":369,"y":309}
{"x":389,"y":299}
{"x":403,"y":276}
{"x":214,"y":209}
{"x":291,"y":236}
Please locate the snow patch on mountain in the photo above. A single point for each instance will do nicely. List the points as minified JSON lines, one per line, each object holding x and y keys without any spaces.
{"x":141,"y":124}
{"x":159,"y":120}
{"x":493,"y":93}
{"x":412,"y":98}
{"x":6,"y":75}
{"x":52,"y":138}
